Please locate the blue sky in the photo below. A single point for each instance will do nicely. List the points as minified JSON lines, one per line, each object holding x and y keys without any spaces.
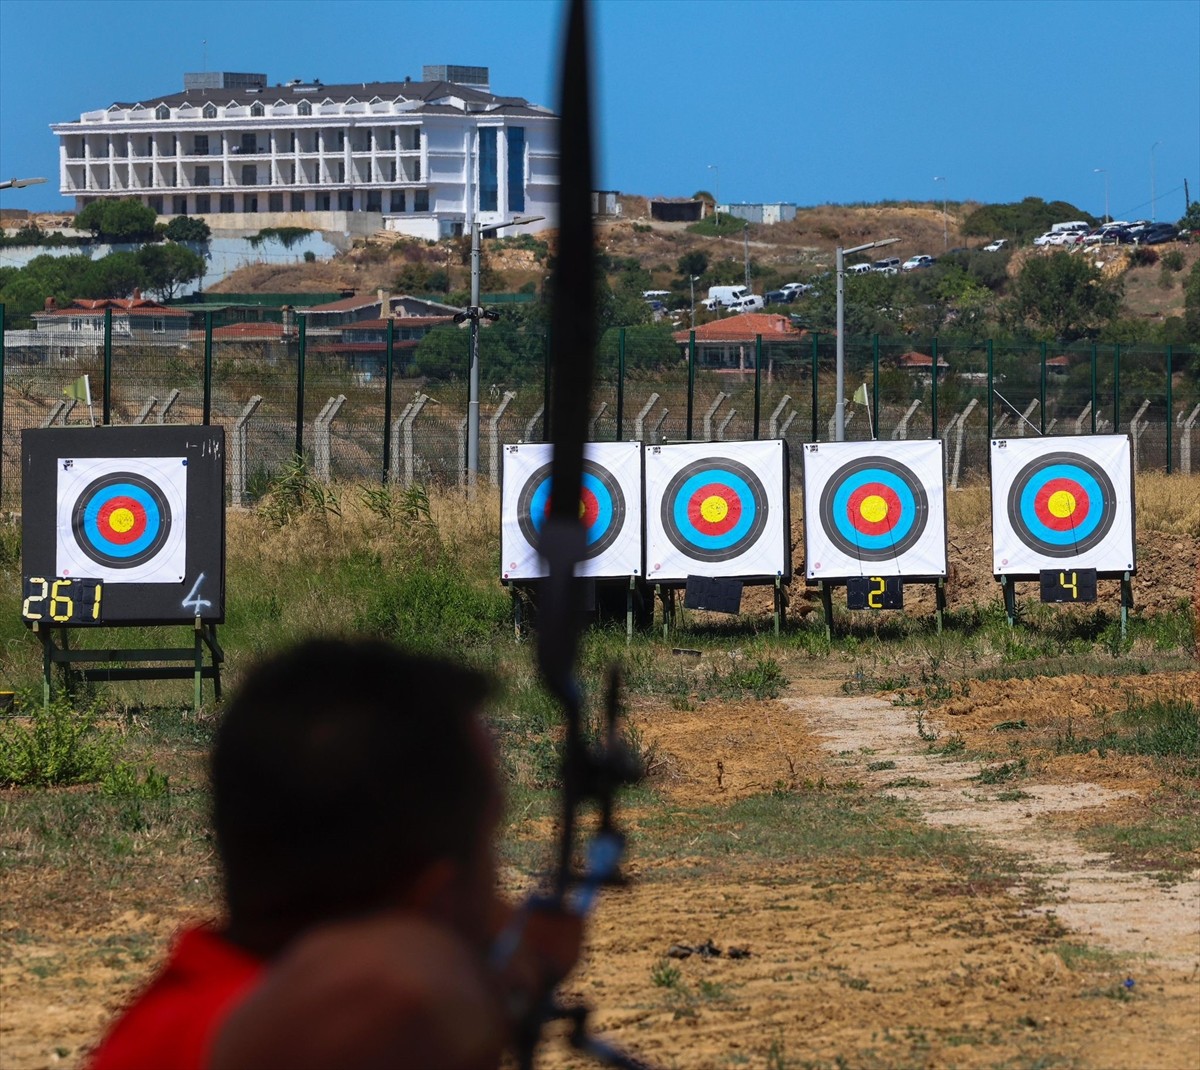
{"x":810,"y":102}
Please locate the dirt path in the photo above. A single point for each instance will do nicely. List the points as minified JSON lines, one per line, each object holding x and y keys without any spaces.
{"x":1125,"y":912}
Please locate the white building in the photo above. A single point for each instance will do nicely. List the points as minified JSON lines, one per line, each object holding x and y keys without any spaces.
{"x":421,"y":158}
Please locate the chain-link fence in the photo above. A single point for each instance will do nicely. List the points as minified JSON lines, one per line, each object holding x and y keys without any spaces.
{"x":366,"y":410}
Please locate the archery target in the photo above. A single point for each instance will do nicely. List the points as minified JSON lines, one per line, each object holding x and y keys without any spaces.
{"x":716,"y":510}
{"x":119,"y":518}
{"x":609,"y":508}
{"x":871,"y":513}
{"x":1059,"y":501}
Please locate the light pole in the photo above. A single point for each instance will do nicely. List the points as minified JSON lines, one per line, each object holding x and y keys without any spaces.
{"x":20,"y":183}
{"x":839,"y":410}
{"x":945,"y":229}
{"x":716,"y":193}
{"x":1104,"y":171}
{"x":1153,"y":217}
{"x":692,"y":279}
{"x":746,"y":251}
{"x":474,"y":313}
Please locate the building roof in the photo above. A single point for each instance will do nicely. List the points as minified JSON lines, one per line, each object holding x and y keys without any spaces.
{"x":744,"y":328}
{"x":250,"y":332}
{"x":425,"y":96}
{"x":87,"y":306}
{"x":913,"y":359}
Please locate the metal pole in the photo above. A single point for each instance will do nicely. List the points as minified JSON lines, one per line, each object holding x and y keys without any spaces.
{"x":473,"y":388}
{"x":300,"y":354}
{"x":107,"y":407}
{"x":1170,"y":403}
{"x":1042,"y":394}
{"x":1116,"y":386}
{"x":390,"y":358}
{"x":1,"y":402}
{"x":547,"y":435}
{"x":757,"y":380}
{"x":1153,"y":216}
{"x":839,"y":405}
{"x":208,"y":367}
{"x":1095,"y":359}
{"x":691,"y":397}
{"x":815,"y":427}
{"x":991,"y":378}
{"x":933,"y":398}
{"x":621,"y":384}
{"x":875,"y":385}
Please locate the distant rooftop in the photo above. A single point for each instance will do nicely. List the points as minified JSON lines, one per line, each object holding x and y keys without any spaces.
{"x":223,"y":80}
{"x":474,"y":77}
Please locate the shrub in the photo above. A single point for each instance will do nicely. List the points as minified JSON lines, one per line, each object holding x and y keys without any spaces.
{"x":55,"y":744}
{"x":1172,"y":260}
{"x":1143,"y":256}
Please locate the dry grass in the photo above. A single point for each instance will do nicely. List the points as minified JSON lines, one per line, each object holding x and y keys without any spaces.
{"x":1168,"y":503}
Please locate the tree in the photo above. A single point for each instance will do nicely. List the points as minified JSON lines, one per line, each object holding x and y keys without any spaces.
{"x":169,"y":267}
{"x":1191,"y":218}
{"x":185,"y":228}
{"x":1023,"y":219}
{"x":115,"y":275}
{"x":118,"y":219}
{"x":1063,"y":296}
{"x":693,"y":263}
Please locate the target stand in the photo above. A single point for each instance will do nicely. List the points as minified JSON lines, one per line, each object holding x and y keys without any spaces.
{"x":1063,"y":516}
{"x":875,"y":522}
{"x":124,"y":527}
{"x":718,"y":510}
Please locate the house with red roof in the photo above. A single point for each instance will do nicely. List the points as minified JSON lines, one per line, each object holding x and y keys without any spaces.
{"x":729,"y":344}
{"x":81,"y":323}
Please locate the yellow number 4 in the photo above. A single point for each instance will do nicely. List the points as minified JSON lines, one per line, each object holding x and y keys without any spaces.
{"x":1073,"y":586}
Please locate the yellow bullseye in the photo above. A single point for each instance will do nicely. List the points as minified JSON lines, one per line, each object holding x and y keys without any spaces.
{"x":121,"y":520}
{"x":714,"y":509}
{"x":1061,"y":504}
{"x":873,"y":508}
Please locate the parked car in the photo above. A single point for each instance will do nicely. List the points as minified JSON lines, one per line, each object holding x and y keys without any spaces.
{"x":995,"y":246}
{"x":889,"y":265}
{"x":1157,"y":234}
{"x":779,"y":297}
{"x":796,"y":287}
{"x":858,"y":269}
{"x":749,"y":303}
{"x":1049,"y":238}
{"x":920,"y":261}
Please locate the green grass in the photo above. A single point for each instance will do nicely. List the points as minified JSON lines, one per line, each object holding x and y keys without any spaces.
{"x":1163,"y":728}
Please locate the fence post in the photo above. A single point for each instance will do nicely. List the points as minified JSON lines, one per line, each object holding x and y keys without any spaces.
{"x":301,"y":348}
{"x":712,"y":411}
{"x":238,"y":464}
{"x":958,"y":444}
{"x":639,"y":425}
{"x":815,"y":431}
{"x":724,"y":424}
{"x":167,"y":405}
{"x":875,"y":384}
{"x":757,"y":383}
{"x":1170,"y":407}
{"x":408,"y":419}
{"x":601,"y":409}
{"x":494,"y":435}
{"x":1042,"y":394}
{"x":1082,"y":416}
{"x":1135,"y":431}
{"x":901,"y":431}
{"x":389,"y":362}
{"x":933,"y":399}
{"x":620,"y":386}
{"x":774,"y":421}
{"x":1095,"y":385}
{"x":691,"y":394}
{"x":107,"y":408}
{"x":1185,"y":442}
{"x":531,"y":423}
{"x":208,"y":359}
{"x":147,"y":409}
{"x":322,"y":432}
{"x":1116,"y":420}
{"x":991,"y":379}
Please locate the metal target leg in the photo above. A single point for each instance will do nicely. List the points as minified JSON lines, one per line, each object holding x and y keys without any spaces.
{"x":1010,"y":600}
{"x":827,"y":605}
{"x":940,"y":595}
{"x":1126,"y":602}
{"x":47,"y":666}
{"x":198,"y":675}
{"x":629,"y":611}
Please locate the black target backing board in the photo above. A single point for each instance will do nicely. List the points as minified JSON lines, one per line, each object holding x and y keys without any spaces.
{"x":139,"y":509}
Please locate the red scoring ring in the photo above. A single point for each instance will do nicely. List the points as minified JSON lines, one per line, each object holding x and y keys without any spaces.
{"x":591,"y":508}
{"x":733,"y":506}
{"x":104,"y":520}
{"x":874,"y":527}
{"x":1041,"y":504}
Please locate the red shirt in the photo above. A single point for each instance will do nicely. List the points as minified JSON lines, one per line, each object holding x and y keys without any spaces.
{"x":172,"y":1024}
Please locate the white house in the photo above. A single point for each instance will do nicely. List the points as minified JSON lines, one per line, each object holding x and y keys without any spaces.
{"x":422,"y":158}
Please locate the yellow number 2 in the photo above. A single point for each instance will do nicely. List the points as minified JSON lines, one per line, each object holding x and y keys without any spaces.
{"x":875,"y":598}
{"x":1073,"y":586}
{"x":56,"y":599}
{"x":27,"y":607}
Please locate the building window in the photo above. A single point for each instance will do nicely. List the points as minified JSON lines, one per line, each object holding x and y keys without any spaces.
{"x":256,"y":109}
{"x":200,"y":145}
{"x":345,"y":200}
{"x":249,"y":144}
{"x":158,"y":325}
{"x":291,"y":141}
{"x":341,"y":139}
{"x":297,"y":202}
{"x":304,"y":108}
{"x":201,"y":178}
{"x":374,"y":200}
{"x":171,"y":175}
{"x":341,"y":171}
{"x":162,"y":112}
{"x":249,"y":175}
{"x":249,"y":203}
{"x":324,"y":202}
{"x":179,"y":205}
{"x":227,"y":202}
{"x":156,"y":203}
{"x":397,"y":201}
{"x":488,"y":181}
{"x":516,"y":168}
{"x":203,"y":203}
{"x":275,"y":202}
{"x":421,"y":200}
{"x":210,"y":111}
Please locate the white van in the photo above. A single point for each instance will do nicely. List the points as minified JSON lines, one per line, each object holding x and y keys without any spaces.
{"x":723,"y":296}
{"x":1077,"y":226}
{"x":858,"y":269}
{"x":749,"y":303}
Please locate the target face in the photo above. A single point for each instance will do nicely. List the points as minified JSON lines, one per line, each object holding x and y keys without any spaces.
{"x":868,"y":513}
{"x":121,"y":520}
{"x":717,"y":510}
{"x":1062,"y":501}
{"x":874,"y":508}
{"x":714,"y":508}
{"x":601,"y":506}
{"x":610,"y":508}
